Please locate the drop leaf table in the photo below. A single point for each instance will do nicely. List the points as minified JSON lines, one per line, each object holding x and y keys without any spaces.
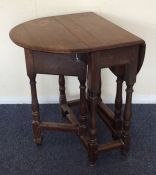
{"x":81,"y":45}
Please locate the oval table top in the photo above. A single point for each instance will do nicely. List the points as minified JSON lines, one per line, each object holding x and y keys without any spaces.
{"x":82,"y":32}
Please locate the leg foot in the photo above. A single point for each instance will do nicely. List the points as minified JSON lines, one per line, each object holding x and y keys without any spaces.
{"x":38,"y":141}
{"x":126,"y":147}
{"x":92,"y":152}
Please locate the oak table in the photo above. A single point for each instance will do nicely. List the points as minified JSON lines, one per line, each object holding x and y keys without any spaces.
{"x":91,"y":40}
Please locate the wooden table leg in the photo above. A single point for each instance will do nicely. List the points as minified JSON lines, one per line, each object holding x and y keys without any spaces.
{"x":93,"y":100}
{"x":62,"y":98}
{"x":93,"y":97}
{"x":100,"y":85}
{"x":83,"y":118}
{"x":35,"y":111}
{"x":118,"y":106}
{"x":127,"y":118}
{"x":130,"y":78}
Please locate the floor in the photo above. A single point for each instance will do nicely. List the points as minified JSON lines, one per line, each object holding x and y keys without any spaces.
{"x":62,"y":153}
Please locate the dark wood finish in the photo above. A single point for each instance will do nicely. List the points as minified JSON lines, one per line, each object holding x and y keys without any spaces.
{"x":62,"y":98}
{"x":74,"y":102}
{"x":93,"y":92}
{"x":130,"y":78}
{"x":59,"y":126}
{"x":118,"y":106}
{"x":109,"y":146}
{"x":127,"y":118}
{"x":64,"y":45}
{"x":83,"y":32}
{"x":107,"y":121}
{"x":35,"y":105}
{"x":106,"y":110}
{"x":83,"y":118}
{"x":69,"y":114}
{"x":48,"y":63}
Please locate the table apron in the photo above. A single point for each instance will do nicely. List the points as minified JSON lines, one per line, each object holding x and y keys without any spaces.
{"x":57,"y":64}
{"x":116,"y":57}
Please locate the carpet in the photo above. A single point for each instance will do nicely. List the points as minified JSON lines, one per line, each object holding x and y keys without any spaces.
{"x":62,"y":153}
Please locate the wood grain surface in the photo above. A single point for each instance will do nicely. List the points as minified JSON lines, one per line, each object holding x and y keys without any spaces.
{"x":82,"y":32}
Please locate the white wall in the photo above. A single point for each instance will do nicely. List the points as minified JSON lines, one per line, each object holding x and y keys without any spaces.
{"x":139,"y":17}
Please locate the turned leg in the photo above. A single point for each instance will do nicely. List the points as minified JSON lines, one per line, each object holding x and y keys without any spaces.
{"x":130,"y":78}
{"x":35,"y":111}
{"x":93,"y":82}
{"x":93,"y":100}
{"x":100,"y":85}
{"x":83,"y":118}
{"x":127,"y":118}
{"x":62,"y":98}
{"x":118,"y":106}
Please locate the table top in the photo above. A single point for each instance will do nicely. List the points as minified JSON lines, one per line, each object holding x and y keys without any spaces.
{"x":82,"y":32}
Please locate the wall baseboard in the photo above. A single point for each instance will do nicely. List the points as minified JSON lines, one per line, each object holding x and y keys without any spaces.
{"x":142,"y":99}
{"x":27,"y":100}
